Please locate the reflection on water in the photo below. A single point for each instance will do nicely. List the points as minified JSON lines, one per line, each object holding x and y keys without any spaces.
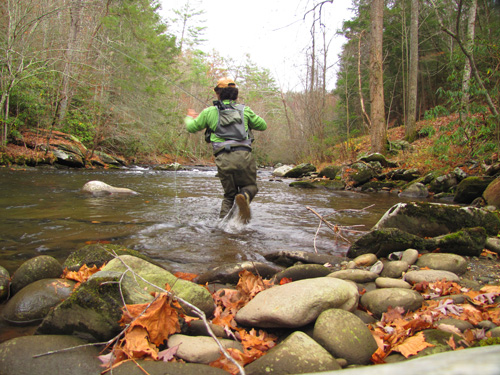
{"x":173,"y":219}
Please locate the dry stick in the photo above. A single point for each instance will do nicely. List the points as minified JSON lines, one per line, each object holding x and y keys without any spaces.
{"x":335,"y":228}
{"x":193,"y":308}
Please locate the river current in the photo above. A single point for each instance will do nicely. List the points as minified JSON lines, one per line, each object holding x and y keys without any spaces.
{"x":174,"y":218}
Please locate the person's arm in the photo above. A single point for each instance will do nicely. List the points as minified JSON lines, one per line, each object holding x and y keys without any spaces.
{"x":254,"y":121}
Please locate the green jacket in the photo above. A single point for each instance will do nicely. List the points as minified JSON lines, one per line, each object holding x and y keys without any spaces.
{"x":209,"y":117}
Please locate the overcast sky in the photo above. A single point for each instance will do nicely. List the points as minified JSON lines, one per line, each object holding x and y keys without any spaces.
{"x":273,"y":32}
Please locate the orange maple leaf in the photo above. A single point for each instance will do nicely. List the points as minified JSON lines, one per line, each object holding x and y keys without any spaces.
{"x":250,"y":285}
{"x":185,"y":276}
{"x":137,"y":345}
{"x":159,"y":318}
{"x":412,"y":345}
{"x":82,"y":274}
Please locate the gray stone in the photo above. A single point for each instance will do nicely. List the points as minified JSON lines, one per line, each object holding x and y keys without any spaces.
{"x":16,"y":356}
{"x":430,"y":276}
{"x":443,"y":261}
{"x":379,"y":300}
{"x":410,"y":256}
{"x":394,"y":269}
{"x":34,"y":301}
{"x":462,"y":325}
{"x":302,"y":271}
{"x":492,"y":193}
{"x":297,"y":354}
{"x":281,"y":171}
{"x":139,"y":291}
{"x":365,"y":260}
{"x":298,"y":303}
{"x":291,"y":257}
{"x":345,"y":335}
{"x":495,"y":332}
{"x":358,"y":276}
{"x":415,"y":190}
{"x":387,"y":282}
{"x":471,"y":188}
{"x":136,"y":367}
{"x":329,"y":171}
{"x":200,"y":349}
{"x":40,"y":267}
{"x":300,"y":170}
{"x":493,"y":244}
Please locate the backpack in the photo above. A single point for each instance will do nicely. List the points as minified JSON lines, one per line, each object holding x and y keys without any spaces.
{"x":231,"y":123}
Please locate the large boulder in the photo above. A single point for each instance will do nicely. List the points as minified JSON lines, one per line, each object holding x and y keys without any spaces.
{"x":17,"y":356}
{"x":281,"y":171}
{"x":433,"y":219}
{"x":297,"y":354}
{"x":138,"y":289}
{"x":40,"y":267}
{"x":345,"y":336}
{"x":298,"y":303}
{"x":492,"y":193}
{"x":97,"y":188}
{"x":300,"y":170}
{"x":33,"y":302}
{"x":471,"y":188}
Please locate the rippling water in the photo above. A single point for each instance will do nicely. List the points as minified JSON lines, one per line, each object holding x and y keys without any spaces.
{"x":174,"y":219}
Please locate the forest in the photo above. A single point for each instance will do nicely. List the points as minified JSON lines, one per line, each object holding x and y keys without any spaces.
{"x":114,"y":74}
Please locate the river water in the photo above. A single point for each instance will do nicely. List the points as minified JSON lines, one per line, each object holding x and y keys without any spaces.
{"x":174,"y":218}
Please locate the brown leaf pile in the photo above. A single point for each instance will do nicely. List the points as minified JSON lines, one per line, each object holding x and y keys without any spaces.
{"x":399,"y":332}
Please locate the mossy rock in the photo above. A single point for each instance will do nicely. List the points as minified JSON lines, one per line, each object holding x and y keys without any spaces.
{"x":305,"y":184}
{"x":330,"y":171}
{"x":440,"y":341}
{"x":99,"y":254}
{"x":471,"y":188}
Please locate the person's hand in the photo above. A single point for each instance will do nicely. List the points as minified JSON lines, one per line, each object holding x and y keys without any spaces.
{"x":192,"y":113}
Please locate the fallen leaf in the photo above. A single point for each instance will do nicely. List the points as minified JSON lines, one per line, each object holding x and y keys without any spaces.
{"x":168,"y":354}
{"x":82,"y":274}
{"x":412,"y":345}
{"x":185,"y":276}
{"x":137,"y":344}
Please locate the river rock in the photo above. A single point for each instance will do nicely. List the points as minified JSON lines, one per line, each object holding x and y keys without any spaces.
{"x":471,"y":188}
{"x":281,"y":171}
{"x":358,"y":276}
{"x":440,"y":341}
{"x":229,"y":273}
{"x":378,"y":157}
{"x":387,"y":282}
{"x":297,"y":354}
{"x":298,"y":303}
{"x":142,"y":367}
{"x":300,"y":170}
{"x":365,"y":260}
{"x":430,"y":276}
{"x":330,"y":171}
{"x":379,"y":300}
{"x":98,"y":254}
{"x":16,"y":356}
{"x":98,"y":188}
{"x":91,"y":312}
{"x":394,"y":269}
{"x":200,"y":349}
{"x":288,"y":258}
{"x":462,"y":325}
{"x":468,"y":241}
{"x":492,"y":193}
{"x":383,"y":242}
{"x":4,"y":283}
{"x":34,"y":301}
{"x":443,"y":261}
{"x":139,"y":290}
{"x":413,"y":217}
{"x":410,"y":256}
{"x":302,"y":271}
{"x":415,"y":190}
{"x":345,"y":335}
{"x":493,"y":244}
{"x":443,"y":183}
{"x":199,"y":328}
{"x":69,"y":159}
{"x":40,"y":267}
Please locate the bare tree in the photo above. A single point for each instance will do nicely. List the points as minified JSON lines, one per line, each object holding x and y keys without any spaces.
{"x":378,"y":131}
{"x":411,"y":118}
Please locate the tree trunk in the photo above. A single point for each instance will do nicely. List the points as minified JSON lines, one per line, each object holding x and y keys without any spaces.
{"x":471,"y":24}
{"x":378,"y":131}
{"x":411,"y":118}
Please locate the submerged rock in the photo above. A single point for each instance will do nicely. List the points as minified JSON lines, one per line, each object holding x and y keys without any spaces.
{"x":40,"y":267}
{"x":102,"y":188}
